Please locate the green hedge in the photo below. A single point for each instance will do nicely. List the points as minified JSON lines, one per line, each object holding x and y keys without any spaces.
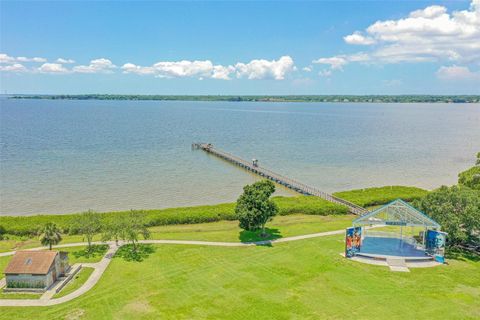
{"x":382,"y":195}
{"x":31,"y":225}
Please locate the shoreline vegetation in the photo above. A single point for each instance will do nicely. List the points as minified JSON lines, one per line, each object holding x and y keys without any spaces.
{"x":266,"y":98}
{"x":308,"y":205}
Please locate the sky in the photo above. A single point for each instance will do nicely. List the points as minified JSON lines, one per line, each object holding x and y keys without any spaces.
{"x":246,"y":47}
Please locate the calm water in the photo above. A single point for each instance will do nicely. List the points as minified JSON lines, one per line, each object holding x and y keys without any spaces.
{"x":68,"y":156}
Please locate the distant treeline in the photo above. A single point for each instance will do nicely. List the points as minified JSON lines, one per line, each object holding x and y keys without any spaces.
{"x":292,"y":98}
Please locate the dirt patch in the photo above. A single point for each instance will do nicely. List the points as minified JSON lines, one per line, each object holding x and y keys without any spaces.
{"x":75,"y":314}
{"x":137,"y":306}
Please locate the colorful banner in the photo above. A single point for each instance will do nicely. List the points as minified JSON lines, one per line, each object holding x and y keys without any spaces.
{"x":435,"y":244}
{"x":353,"y":241}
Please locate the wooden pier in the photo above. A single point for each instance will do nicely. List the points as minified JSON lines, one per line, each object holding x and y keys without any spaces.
{"x":275,"y":177}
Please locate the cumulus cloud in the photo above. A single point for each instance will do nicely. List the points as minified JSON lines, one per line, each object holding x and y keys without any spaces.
{"x":132,"y":68}
{"x":101,"y":65}
{"x":265,"y":69}
{"x":429,"y":34}
{"x":64,"y":61}
{"x":5,"y":58}
{"x":205,"y":69}
{"x":358,"y":38}
{"x":184,"y":68}
{"x":35,"y":59}
{"x":336,"y":62}
{"x":16,"y":67}
{"x":457,"y":73}
{"x":200,"y":69}
{"x":222,"y":73}
{"x":56,"y":68}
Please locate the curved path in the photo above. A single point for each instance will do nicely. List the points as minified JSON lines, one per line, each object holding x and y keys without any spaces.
{"x":101,"y":266}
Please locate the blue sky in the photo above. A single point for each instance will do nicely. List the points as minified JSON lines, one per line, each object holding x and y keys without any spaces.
{"x":316,"y":47}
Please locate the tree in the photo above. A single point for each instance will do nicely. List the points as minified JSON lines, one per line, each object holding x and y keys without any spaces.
{"x":254,"y":207}
{"x":2,"y":232}
{"x":471,"y":177}
{"x":88,"y":224}
{"x":114,"y":228}
{"x":51,"y":235}
{"x":134,"y":224}
{"x":457,"y":210}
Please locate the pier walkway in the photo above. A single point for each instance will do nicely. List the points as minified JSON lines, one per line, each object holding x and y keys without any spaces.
{"x":275,"y":177}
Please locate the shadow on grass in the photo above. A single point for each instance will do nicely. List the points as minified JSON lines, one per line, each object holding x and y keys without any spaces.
{"x":462,"y":254}
{"x":128,"y":254}
{"x":96,"y":250}
{"x":255,"y":236}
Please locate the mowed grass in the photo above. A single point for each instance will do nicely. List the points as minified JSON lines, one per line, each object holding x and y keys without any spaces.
{"x":12,"y":295}
{"x":281,"y":226}
{"x":305,"y":279}
{"x":76,"y":282}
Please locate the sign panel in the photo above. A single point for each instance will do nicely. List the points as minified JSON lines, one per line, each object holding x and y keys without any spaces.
{"x":353,"y":241}
{"x":435,"y":244}
{"x":395,"y":223}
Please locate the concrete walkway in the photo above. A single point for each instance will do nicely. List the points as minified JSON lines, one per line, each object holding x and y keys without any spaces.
{"x":101,"y":266}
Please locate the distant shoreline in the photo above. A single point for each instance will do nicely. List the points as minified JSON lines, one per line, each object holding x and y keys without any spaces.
{"x":268,"y":98}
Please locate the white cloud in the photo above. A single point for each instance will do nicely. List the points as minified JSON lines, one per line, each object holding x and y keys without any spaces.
{"x":222,"y":73}
{"x":325,"y":73}
{"x":56,"y":68}
{"x":4,"y":58}
{"x":358,"y":38}
{"x":16,"y":67}
{"x":132,"y":68}
{"x":457,"y":73}
{"x":101,"y":65}
{"x":205,"y":69}
{"x":35,"y":59}
{"x":64,"y":61}
{"x":336,"y":62}
{"x":307,"y":69}
{"x":265,"y":69}
{"x":184,"y":68}
{"x":200,"y":69}
{"x":429,"y":34}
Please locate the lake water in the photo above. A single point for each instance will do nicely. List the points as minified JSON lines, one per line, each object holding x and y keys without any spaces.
{"x":69,"y":156}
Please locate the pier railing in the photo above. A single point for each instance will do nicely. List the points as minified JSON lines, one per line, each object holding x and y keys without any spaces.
{"x":278,"y":178}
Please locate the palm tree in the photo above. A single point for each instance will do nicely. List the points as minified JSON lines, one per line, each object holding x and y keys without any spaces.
{"x":51,"y":235}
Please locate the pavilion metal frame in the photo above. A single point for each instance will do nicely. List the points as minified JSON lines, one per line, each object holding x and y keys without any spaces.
{"x":397,"y":213}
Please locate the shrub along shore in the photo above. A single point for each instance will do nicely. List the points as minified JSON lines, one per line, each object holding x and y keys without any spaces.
{"x":31,"y":225}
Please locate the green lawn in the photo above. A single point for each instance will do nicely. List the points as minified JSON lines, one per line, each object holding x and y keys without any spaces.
{"x":80,"y":254}
{"x":3,"y":264}
{"x":11,"y":295}
{"x":75,"y":283}
{"x":281,"y":226}
{"x":306,"y":279}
